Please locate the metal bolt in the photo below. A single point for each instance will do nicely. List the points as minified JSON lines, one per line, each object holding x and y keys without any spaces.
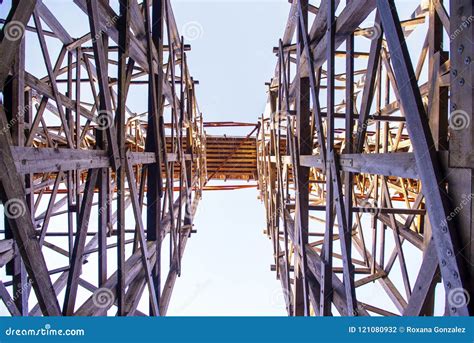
{"x":467,"y":60}
{"x":449,"y":285}
{"x":443,"y":262}
{"x":453,"y":309}
{"x":454,"y":72}
{"x":444,"y":229}
{"x":449,"y":252}
{"x":461,"y":82}
{"x":455,"y":275}
{"x":454,"y":106}
{"x":461,"y":49}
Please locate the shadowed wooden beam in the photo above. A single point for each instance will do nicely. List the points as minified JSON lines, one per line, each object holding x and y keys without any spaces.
{"x":369,"y":85}
{"x":425,"y":153}
{"x":388,"y":164}
{"x":105,"y":105}
{"x":8,"y":301}
{"x":79,"y":243}
{"x":141,"y":236}
{"x":11,"y":35}
{"x":13,"y":190}
{"x":133,"y":266}
{"x":424,"y":282}
{"x":348,"y":21}
{"x":314,"y":265}
{"x":45,"y":160}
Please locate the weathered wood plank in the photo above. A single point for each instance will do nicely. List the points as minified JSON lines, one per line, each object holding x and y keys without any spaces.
{"x":425,"y":152}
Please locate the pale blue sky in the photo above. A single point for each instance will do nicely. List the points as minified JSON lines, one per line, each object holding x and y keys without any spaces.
{"x":226,"y":268}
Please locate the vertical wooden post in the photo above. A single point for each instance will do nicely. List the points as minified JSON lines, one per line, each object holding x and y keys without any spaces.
{"x":461,"y":130}
{"x":124,"y":41}
{"x":15,"y":110}
{"x":304,"y":144}
{"x":326,"y":266}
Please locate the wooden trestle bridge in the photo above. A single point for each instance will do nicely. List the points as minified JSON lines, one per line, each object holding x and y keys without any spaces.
{"x":364,"y":158}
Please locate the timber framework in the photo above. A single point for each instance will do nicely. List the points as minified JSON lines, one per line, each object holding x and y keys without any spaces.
{"x":363,"y":158}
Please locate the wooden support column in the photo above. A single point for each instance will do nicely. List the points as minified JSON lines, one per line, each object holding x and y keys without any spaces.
{"x":438,"y":95}
{"x":153,"y":140}
{"x":461,"y":130}
{"x":79,"y":243}
{"x":438,"y":98}
{"x":304,"y":144}
{"x":123,"y":85}
{"x":141,"y":237}
{"x":12,"y":184}
{"x":15,"y":109}
{"x":443,"y":230}
{"x":105,"y":101}
{"x":103,"y":182}
{"x":348,"y":176}
{"x":369,"y":86}
{"x":326,"y":258}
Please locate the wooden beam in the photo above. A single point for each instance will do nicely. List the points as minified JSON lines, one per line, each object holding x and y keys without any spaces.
{"x":141,"y":236}
{"x":425,"y":153}
{"x":12,"y":34}
{"x":79,"y":243}
{"x":424,"y":282}
{"x":388,"y":164}
{"x":105,"y":110}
